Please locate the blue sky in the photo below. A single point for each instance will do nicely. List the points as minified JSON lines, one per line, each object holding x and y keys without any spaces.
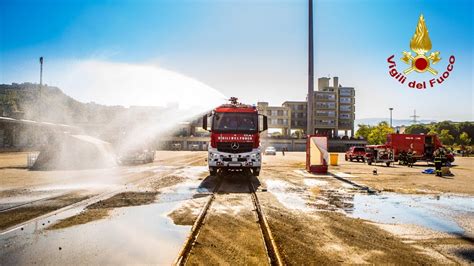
{"x":255,"y":50}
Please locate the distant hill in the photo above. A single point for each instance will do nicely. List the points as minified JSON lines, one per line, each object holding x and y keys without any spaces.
{"x":50,"y":104}
{"x":395,"y":122}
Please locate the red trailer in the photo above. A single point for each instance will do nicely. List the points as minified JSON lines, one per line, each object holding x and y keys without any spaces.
{"x":382,"y":154}
{"x":422,"y":146}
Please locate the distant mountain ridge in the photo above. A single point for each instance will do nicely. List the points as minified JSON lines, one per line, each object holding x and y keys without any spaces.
{"x":46,"y":103}
{"x":395,"y":122}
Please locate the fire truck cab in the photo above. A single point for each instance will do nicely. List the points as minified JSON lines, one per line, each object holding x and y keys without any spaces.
{"x":235,"y":137}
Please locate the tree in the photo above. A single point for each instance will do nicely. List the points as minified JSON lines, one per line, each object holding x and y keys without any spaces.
{"x":445,"y":137}
{"x":299,"y":133}
{"x":468,"y":128}
{"x":447,"y":125}
{"x":464,"y":139}
{"x":432,"y":131}
{"x":378,"y":134}
{"x":363,"y":131}
{"x":417,"y":129}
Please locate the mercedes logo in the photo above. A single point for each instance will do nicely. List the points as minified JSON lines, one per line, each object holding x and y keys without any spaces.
{"x":234,"y":145}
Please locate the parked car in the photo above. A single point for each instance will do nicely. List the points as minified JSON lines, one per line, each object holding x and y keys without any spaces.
{"x":137,"y":156}
{"x":270,"y":151}
{"x":355,"y":153}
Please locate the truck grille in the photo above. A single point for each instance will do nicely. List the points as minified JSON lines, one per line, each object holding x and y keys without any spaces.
{"x":230,"y":147}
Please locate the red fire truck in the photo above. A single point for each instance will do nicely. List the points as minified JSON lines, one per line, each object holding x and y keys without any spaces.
{"x":422,"y":146}
{"x":235,"y":139}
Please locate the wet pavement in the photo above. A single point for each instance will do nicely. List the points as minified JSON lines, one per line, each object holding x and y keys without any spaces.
{"x":436,"y":212}
{"x":130,"y":234}
{"x":431,"y":211}
{"x":149,"y":234}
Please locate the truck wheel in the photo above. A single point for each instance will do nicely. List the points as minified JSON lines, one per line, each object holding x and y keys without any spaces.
{"x":345,"y":157}
{"x":369,"y":162}
{"x":256,"y":171}
{"x":212,"y":171}
{"x":363,"y":160}
{"x":388,"y":164}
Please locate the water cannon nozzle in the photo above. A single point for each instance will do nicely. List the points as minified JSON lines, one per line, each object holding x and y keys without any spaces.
{"x":233,"y":100}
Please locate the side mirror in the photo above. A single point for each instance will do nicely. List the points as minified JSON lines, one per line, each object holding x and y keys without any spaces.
{"x":264,"y":123}
{"x":204,"y":122}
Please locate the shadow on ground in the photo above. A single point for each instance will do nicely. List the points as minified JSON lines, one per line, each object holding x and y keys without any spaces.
{"x":232,"y":182}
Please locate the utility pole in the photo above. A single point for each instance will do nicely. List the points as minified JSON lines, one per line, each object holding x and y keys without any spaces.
{"x":391,"y":109}
{"x":40,"y":88}
{"x":41,"y":71}
{"x":310,"y":70}
{"x":414,"y":117}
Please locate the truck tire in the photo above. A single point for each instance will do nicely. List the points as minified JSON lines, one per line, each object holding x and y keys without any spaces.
{"x":256,"y":171}
{"x":388,"y":164}
{"x":345,"y":157}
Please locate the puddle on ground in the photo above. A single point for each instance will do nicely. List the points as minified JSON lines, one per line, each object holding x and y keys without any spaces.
{"x":431,"y":211}
{"x":183,"y":191}
{"x":140,"y":234}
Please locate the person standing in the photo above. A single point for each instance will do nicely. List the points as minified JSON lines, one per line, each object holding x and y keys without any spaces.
{"x":438,"y":161}
{"x":410,"y":158}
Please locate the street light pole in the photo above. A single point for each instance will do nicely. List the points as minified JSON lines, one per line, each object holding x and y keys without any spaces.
{"x":391,"y":109}
{"x":40,"y":111}
{"x":41,"y":70}
{"x":310,"y":128}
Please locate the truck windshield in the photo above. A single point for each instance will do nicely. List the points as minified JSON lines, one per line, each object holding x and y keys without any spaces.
{"x":235,"y":122}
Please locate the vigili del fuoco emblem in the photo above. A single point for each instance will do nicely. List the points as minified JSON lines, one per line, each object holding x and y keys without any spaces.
{"x":420,"y":60}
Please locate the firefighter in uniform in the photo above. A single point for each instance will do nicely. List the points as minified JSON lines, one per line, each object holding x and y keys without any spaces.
{"x":409,"y":158}
{"x":403,"y":157}
{"x":438,"y":161}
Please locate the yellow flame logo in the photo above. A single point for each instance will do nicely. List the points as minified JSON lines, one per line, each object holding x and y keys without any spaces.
{"x":421,"y":43}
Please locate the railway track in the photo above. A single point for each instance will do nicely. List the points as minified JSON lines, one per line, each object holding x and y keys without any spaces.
{"x":274,"y":257}
{"x":85,"y":202}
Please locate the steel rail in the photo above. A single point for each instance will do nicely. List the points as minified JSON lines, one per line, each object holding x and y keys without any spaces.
{"x":274,"y":257}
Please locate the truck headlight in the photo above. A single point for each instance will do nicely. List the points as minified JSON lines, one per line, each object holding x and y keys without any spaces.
{"x":255,"y":156}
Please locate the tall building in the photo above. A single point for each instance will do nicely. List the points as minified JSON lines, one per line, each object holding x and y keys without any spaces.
{"x":334,"y":108}
{"x":333,"y":111}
